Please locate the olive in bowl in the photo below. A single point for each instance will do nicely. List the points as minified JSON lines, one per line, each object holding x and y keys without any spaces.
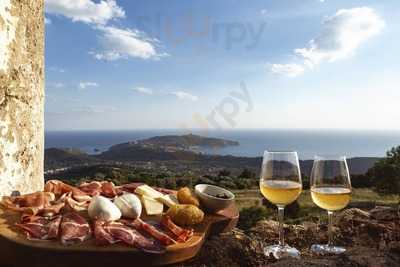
{"x":214,"y":198}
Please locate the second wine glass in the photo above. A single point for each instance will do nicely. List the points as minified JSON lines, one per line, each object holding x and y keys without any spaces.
{"x":280,"y":183}
{"x":330,"y":190}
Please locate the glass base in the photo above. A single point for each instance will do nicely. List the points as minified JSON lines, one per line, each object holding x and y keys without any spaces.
{"x":327,"y":249}
{"x":280,"y":252}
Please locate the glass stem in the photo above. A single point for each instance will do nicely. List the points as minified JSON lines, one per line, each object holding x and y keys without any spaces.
{"x":281,"y":210}
{"x":330,"y":238}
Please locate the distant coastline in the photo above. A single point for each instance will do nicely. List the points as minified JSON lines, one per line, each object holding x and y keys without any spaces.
{"x":252,"y":143}
{"x":174,"y":152}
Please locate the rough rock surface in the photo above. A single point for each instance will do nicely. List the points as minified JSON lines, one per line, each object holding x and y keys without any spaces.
{"x":21,"y":95}
{"x":372,"y":239}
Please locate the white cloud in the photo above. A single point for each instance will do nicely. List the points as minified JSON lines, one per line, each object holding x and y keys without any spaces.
{"x":143,"y":90}
{"x":118,"y":43}
{"x":126,"y":43}
{"x":184,"y":96}
{"x":263,"y":11}
{"x":94,"y":109}
{"x":47,"y":20}
{"x":56,"y":69}
{"x":84,"y":85}
{"x":87,"y":11}
{"x":342,"y":34}
{"x":57,"y":85}
{"x":291,"y":69}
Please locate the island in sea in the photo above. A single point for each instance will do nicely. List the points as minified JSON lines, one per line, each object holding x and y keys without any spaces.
{"x":173,"y":143}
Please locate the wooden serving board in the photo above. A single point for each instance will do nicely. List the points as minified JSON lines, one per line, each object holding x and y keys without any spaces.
{"x":16,"y":250}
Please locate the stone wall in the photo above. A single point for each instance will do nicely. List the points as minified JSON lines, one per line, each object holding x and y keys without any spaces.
{"x":21,"y":95}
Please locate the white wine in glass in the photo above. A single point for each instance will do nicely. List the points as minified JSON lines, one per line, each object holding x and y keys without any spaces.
{"x":330,"y":190}
{"x":280,"y":183}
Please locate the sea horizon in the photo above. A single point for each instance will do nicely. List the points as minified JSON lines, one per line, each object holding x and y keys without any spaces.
{"x":252,"y":142}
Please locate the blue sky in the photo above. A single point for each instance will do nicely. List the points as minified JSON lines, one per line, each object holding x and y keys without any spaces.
{"x":222,"y":64}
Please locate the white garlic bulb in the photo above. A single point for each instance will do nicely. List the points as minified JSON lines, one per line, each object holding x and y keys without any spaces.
{"x":102,"y":208}
{"x":130,"y":205}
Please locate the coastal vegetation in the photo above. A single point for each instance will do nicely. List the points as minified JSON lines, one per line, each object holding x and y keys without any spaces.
{"x":385,"y":175}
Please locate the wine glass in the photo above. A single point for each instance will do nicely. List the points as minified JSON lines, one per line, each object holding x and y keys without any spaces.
{"x":330,"y":190}
{"x":280,"y":183}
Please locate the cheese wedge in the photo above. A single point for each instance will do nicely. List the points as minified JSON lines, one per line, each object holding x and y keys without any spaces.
{"x":169,"y":200}
{"x":145,"y":190}
{"x":152,"y":206}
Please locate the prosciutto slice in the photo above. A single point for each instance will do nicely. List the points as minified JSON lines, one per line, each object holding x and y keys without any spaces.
{"x":140,"y":225}
{"x":74,"y":229}
{"x":52,"y":210}
{"x":132,"y":237}
{"x":181,"y":234}
{"x":42,"y":228}
{"x":73,"y":197}
{"x":112,"y":232}
{"x":96,"y":188}
{"x":38,"y":199}
{"x":102,"y":236}
{"x":59,"y":188}
{"x":72,"y":204}
{"x":92,"y":188}
{"x":33,"y":204}
{"x":108,"y":190}
{"x":130,"y":188}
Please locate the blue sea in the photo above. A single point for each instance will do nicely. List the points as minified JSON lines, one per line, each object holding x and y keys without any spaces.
{"x":352,"y":143}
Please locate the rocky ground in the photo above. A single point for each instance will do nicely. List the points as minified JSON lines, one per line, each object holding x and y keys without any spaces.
{"x":372,"y":239}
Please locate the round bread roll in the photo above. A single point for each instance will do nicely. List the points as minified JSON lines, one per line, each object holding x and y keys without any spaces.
{"x":186,"y":196}
{"x":183,"y":214}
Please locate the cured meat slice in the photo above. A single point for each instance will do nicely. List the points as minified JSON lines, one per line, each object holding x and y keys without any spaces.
{"x":132,"y":237}
{"x":74,"y":229}
{"x":37,"y":227}
{"x":72,"y":204}
{"x":34,"y":203}
{"x":108,"y":189}
{"x":54,"y":227}
{"x":102,"y":236}
{"x":182,"y":234}
{"x":59,"y":188}
{"x":38,"y":199}
{"x":130,"y":188}
{"x":52,"y":210}
{"x":151,"y":230}
{"x":73,"y":197}
{"x":93,"y":188}
{"x":26,"y":202}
